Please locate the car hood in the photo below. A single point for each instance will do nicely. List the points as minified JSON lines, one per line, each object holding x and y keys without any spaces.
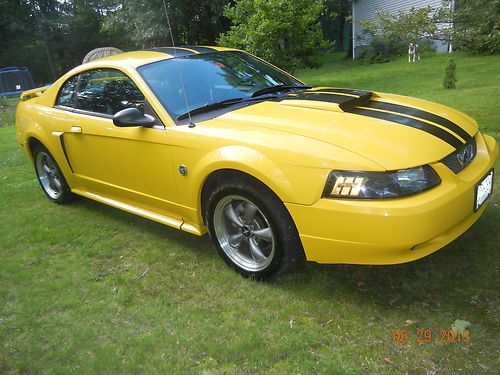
{"x":393,"y":131}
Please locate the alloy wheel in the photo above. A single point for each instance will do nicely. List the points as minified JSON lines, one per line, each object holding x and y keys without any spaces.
{"x":48,"y":175}
{"x":244,"y":233}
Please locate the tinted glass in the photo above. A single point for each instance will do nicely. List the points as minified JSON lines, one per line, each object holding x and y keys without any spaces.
{"x":107,"y":91}
{"x":209,"y":78}
{"x":66,"y":95}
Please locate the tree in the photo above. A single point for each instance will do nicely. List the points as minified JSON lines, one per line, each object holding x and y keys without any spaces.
{"x":404,"y":27}
{"x":450,"y":77}
{"x":51,"y":36}
{"x":341,"y":10}
{"x":284,"y":32}
{"x":390,"y":33}
{"x":476,"y":26}
{"x":145,"y":22}
{"x":23,"y":40}
{"x":469,"y":25}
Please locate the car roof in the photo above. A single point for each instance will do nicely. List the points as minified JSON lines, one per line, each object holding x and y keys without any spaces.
{"x":137,"y":58}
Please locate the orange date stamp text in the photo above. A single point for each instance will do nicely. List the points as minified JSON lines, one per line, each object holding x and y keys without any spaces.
{"x":404,"y":336}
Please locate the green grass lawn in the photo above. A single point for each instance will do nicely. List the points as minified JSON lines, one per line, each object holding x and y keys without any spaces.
{"x":7,"y":110}
{"x":85,"y":288}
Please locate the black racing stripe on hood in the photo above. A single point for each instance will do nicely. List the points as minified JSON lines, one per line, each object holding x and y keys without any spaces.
{"x":404,"y":110}
{"x":177,"y":51}
{"x":407,"y":121}
{"x":345,"y":91}
{"x":349,"y":104}
{"x":345,"y":102}
{"x":201,"y":49}
{"x":330,"y":98}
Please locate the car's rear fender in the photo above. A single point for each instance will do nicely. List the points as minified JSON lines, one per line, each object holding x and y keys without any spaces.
{"x":29,"y":117}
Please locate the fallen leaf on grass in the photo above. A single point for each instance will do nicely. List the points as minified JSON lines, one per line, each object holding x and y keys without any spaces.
{"x":475,"y":298}
{"x":141,"y":276}
{"x":410,"y":322}
{"x":483,"y":366}
{"x":394,"y":300}
{"x":388,"y":360}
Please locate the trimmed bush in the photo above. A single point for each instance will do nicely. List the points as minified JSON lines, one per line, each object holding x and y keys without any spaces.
{"x":450,"y":77}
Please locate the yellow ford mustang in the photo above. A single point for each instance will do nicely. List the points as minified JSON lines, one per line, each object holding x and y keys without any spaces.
{"x":203,"y":138}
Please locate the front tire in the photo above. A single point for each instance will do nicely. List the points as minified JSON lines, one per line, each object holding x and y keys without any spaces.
{"x":50,"y":176}
{"x":252,"y":229}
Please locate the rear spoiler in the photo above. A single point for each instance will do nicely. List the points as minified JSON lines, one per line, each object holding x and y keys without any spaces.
{"x":33,"y":93}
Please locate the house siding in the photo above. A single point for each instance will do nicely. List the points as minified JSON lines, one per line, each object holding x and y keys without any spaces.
{"x":367,"y":10}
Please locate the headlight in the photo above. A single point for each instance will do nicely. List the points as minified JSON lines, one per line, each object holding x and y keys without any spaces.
{"x":380,"y":185}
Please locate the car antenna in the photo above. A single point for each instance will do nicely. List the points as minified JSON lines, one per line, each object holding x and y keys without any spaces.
{"x":191,"y":123}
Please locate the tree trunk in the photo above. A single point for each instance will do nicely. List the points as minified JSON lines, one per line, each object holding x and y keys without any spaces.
{"x":349,"y":49}
{"x":44,"y":39}
{"x":341,"y":33}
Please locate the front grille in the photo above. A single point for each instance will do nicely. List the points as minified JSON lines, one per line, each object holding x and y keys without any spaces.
{"x":455,"y":160}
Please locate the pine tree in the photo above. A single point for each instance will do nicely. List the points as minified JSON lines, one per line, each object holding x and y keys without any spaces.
{"x":450,"y":77}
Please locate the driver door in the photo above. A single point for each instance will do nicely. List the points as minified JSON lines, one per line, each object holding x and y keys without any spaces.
{"x":129,"y":164}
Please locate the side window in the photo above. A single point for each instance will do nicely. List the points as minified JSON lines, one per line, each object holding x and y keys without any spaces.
{"x":107,"y":91}
{"x":66,"y":96}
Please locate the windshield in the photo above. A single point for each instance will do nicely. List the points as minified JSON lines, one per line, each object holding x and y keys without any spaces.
{"x":210,"y":78}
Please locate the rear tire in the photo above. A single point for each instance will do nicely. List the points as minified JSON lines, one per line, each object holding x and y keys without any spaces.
{"x":251,"y":228}
{"x":50,"y":176}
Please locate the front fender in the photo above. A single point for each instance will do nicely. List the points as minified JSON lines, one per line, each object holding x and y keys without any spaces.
{"x":278,"y":177}
{"x":255,"y":164}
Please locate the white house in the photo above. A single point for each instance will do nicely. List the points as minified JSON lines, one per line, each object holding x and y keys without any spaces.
{"x":367,"y":10}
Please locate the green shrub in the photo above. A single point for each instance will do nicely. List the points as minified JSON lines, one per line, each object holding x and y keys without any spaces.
{"x":450,"y":77}
{"x":285,"y":32}
{"x":381,"y":50}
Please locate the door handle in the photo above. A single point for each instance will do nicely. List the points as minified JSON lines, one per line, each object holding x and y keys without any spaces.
{"x":75,"y":129}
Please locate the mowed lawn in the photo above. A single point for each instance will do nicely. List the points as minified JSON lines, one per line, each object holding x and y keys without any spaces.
{"x":88,"y":289}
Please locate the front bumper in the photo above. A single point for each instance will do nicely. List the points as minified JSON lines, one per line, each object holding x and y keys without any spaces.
{"x":397,"y":230}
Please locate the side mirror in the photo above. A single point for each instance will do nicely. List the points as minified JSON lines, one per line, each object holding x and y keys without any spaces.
{"x":130,"y":117}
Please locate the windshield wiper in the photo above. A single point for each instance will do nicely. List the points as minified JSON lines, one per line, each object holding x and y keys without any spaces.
{"x":210,"y":107}
{"x":216,"y":105}
{"x":276,"y":88}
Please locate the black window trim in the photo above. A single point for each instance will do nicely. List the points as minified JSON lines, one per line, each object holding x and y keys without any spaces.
{"x":92,"y":113}
{"x":64,"y":108}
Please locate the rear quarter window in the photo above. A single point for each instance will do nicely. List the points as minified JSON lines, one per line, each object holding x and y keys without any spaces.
{"x":66,"y":96}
